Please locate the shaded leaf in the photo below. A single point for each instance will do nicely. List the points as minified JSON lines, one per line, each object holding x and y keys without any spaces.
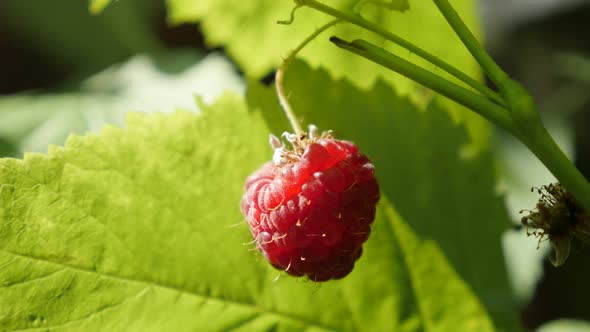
{"x":436,"y":181}
{"x":252,"y":37}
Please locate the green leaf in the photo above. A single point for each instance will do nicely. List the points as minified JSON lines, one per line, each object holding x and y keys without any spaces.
{"x":131,"y":230}
{"x":427,"y":168}
{"x":249,"y":33}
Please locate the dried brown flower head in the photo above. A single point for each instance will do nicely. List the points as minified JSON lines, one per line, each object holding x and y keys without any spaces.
{"x":558,"y":218}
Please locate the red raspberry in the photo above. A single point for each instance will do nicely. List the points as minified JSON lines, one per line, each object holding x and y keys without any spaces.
{"x":310,"y":210}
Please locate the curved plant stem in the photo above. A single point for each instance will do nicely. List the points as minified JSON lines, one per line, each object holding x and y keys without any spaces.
{"x":523,"y":111}
{"x":307,"y":40}
{"x":361,"y":22}
{"x":291,"y":16}
{"x":479,"y":104}
{"x":489,"y":66}
{"x":283,"y":98}
{"x":544,"y":147}
{"x":284,"y":101}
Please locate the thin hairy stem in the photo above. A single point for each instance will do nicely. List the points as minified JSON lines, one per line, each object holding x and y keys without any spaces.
{"x":283,"y":98}
{"x":284,"y":101}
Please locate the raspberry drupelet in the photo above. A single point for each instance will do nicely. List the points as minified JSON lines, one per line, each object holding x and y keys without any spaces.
{"x":310,"y":210}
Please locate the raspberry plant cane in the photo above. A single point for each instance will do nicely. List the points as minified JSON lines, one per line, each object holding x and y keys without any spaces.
{"x":310,"y":209}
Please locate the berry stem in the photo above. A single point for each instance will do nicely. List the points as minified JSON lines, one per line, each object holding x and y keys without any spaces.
{"x":375,"y":28}
{"x":283,"y":100}
{"x":280,"y":73}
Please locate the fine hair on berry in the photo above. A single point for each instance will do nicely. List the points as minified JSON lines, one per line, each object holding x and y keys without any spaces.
{"x":310,"y":209}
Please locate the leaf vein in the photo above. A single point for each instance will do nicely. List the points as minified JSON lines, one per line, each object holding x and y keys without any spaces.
{"x":21,"y":282}
{"x":91,"y":217}
{"x":101,"y":311}
{"x":151,"y":283}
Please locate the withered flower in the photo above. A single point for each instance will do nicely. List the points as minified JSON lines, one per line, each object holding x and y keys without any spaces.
{"x":558,"y":218}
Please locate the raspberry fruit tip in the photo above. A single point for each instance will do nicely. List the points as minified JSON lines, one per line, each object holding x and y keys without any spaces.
{"x":311,"y":208}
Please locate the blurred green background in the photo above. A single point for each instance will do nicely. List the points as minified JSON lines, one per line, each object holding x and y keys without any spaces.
{"x":63,"y":70}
